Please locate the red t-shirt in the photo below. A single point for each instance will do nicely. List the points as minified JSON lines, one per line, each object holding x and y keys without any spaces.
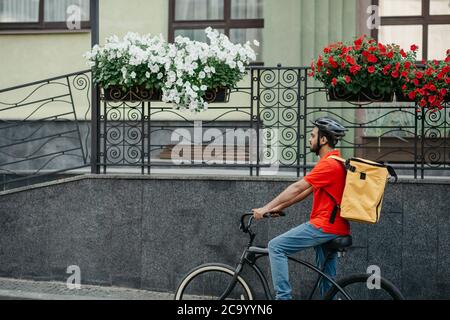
{"x":329,"y":175}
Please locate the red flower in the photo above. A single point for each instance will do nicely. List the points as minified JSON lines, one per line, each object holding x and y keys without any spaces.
{"x":407,"y":65}
{"x":405,"y":74}
{"x":386,"y":69}
{"x":354,"y":69}
{"x":350,"y":60}
{"x":419,"y":75}
{"x":403,"y":53}
{"x":443,"y":92}
{"x":332,"y":62}
{"x":381,"y":47}
{"x":320,"y":62}
{"x":347,"y":79}
{"x":390,"y":54}
{"x":371,"y":58}
{"x":326,"y":50}
{"x":432,"y":99}
{"x":432,"y":87}
{"x":371,"y":69}
{"x":394,"y":74}
{"x":358,"y":42}
{"x":412,"y":95}
{"x":414,"y":47}
{"x":423,"y":103}
{"x":416,"y":82}
{"x":334,"y":82}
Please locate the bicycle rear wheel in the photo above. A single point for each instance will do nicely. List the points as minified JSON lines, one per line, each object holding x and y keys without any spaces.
{"x":356,"y":286}
{"x":209,"y":282}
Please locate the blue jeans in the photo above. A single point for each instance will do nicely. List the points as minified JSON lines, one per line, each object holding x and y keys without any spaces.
{"x":302,"y":237}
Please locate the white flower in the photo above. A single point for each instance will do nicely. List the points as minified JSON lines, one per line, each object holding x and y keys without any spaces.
{"x":203,"y":87}
{"x":159,"y":76}
{"x":256,"y":43}
{"x":147,"y":74}
{"x":133,"y":75}
{"x":202,"y":75}
{"x":124,"y":72}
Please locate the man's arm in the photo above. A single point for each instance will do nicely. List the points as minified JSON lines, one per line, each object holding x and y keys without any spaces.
{"x":290,"y":202}
{"x":292,"y":194}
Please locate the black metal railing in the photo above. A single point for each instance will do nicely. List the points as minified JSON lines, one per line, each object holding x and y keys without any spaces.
{"x":264,"y":129}
{"x":41,"y":131}
{"x":275,"y":110}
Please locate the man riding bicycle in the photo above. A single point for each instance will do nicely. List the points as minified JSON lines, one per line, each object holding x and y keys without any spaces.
{"x":326,"y":180}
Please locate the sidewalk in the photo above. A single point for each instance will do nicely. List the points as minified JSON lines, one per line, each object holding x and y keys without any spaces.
{"x":12,"y":289}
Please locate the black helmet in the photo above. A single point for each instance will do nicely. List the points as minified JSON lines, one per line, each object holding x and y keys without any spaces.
{"x":330,"y":126}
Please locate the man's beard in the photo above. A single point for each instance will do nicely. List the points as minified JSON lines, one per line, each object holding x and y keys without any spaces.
{"x":314,"y":149}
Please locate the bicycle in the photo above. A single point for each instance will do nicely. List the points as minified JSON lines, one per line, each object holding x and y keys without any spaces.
{"x":219,"y":281}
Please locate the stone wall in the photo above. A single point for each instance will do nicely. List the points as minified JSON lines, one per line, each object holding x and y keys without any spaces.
{"x":149,"y":231}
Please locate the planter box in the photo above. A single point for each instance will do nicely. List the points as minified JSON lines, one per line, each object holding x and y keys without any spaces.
{"x":115,"y":93}
{"x":400,"y":97}
{"x":340,"y":94}
{"x":217,"y":95}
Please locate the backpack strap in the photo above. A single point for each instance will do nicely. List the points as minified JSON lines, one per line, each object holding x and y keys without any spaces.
{"x":335,"y":209}
{"x":392,"y":172}
{"x":337,"y":158}
{"x":336,"y":205}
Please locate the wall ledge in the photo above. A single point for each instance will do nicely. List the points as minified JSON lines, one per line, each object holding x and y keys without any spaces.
{"x":207,"y":177}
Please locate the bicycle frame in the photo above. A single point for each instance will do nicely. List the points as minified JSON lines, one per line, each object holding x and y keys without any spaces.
{"x":250,"y":258}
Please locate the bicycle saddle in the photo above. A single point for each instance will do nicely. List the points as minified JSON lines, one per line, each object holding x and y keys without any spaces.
{"x":339,"y":243}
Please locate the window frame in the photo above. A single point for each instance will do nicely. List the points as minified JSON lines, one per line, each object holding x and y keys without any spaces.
{"x":226,"y":24}
{"x":425,"y":19}
{"x":41,"y":24}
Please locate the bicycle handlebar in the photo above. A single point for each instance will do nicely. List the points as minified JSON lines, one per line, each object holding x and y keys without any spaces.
{"x":273,"y":214}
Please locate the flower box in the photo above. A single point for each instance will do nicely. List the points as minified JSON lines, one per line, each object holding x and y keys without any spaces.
{"x":217,"y":95}
{"x":138,"y":93}
{"x":340,"y":94}
{"x":361,"y":71}
{"x":401,"y":97}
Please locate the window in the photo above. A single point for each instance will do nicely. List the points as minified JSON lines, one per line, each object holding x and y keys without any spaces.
{"x":425,"y":23}
{"x":240,"y":20}
{"x":43,"y":14}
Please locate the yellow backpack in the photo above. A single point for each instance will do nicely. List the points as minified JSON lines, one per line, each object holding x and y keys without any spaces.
{"x":364,"y":189}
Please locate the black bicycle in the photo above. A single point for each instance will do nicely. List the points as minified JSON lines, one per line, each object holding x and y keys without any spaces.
{"x":217,"y":281}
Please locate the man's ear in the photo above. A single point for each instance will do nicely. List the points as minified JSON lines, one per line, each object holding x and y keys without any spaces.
{"x":323,"y":140}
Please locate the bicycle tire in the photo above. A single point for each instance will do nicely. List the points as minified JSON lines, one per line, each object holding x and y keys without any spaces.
{"x":388,"y":287}
{"x":218,"y":268}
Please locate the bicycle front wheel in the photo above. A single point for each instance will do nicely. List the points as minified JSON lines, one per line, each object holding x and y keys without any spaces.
{"x":210,"y":281}
{"x":358,"y":288}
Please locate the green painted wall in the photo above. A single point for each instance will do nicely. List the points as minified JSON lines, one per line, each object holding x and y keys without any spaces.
{"x":295,"y":32}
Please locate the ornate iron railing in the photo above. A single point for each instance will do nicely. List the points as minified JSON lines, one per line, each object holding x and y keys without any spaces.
{"x":281,"y":102}
{"x":40,"y":129}
{"x":264,"y":129}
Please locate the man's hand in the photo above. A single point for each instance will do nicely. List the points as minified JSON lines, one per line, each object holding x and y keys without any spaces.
{"x":258,"y":213}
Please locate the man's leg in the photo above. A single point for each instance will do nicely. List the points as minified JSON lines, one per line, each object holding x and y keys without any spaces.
{"x":330,"y":267}
{"x":299,"y":238}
